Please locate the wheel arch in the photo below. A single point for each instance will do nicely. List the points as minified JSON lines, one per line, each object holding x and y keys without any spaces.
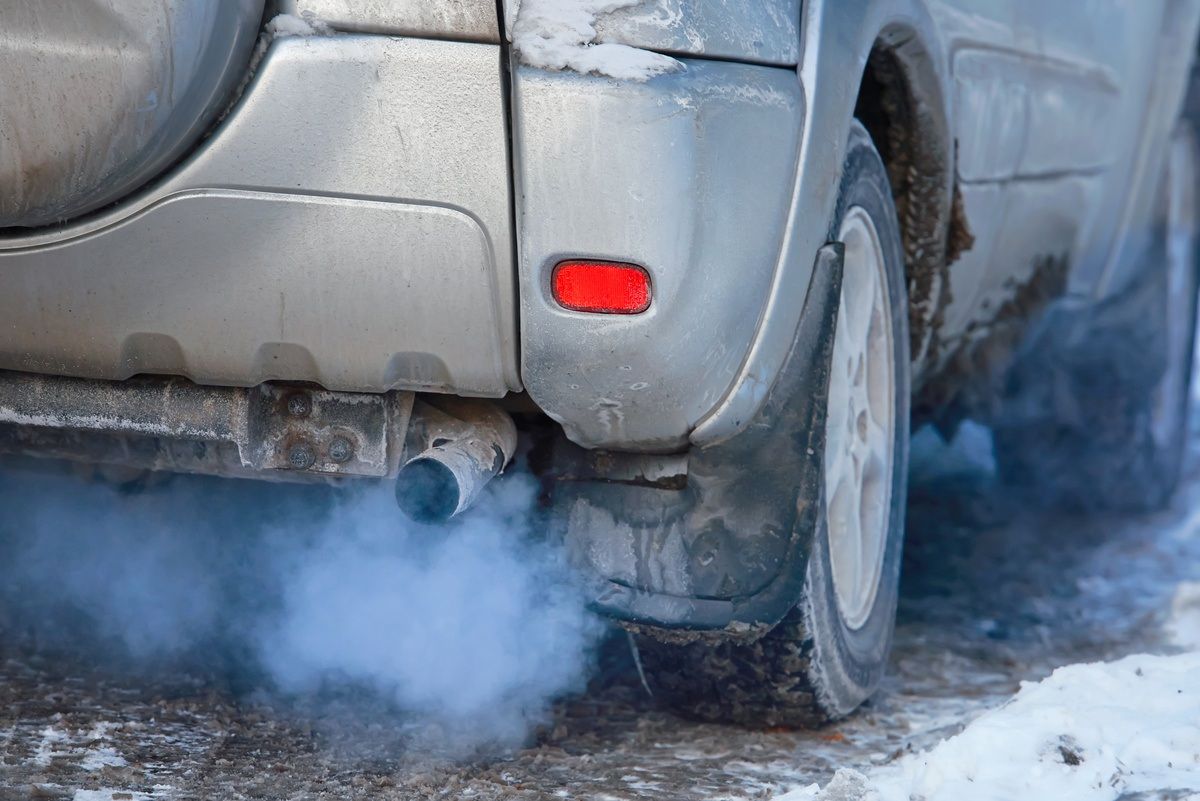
{"x":845,"y":49}
{"x":904,"y":101}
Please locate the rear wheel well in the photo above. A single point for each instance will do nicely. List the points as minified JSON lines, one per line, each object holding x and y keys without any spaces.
{"x":881,"y":105}
{"x":899,"y":102}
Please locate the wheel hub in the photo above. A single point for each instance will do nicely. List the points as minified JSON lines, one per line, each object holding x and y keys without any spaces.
{"x":860,"y":422}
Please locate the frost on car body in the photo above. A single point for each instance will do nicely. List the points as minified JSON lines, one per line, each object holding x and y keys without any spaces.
{"x":561,"y":34}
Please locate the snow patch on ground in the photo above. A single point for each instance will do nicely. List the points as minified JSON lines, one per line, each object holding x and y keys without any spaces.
{"x":87,"y":748}
{"x":561,"y":34}
{"x":1084,"y":733}
{"x":101,"y":758}
{"x":110,"y":795}
{"x":46,"y":749}
{"x":846,"y":785}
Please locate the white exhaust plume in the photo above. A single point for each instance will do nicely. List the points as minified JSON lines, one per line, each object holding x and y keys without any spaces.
{"x":474,"y":627}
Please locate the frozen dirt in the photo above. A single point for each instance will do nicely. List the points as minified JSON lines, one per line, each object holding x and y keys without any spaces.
{"x":992,"y":595}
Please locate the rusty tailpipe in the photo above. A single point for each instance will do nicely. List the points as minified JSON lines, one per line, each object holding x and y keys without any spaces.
{"x":460,"y":444}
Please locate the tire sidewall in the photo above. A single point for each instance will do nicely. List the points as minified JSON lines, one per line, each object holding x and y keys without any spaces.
{"x":849,"y":663}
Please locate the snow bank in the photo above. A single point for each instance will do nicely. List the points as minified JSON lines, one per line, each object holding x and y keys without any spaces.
{"x":1086,"y":732}
{"x":561,"y":34}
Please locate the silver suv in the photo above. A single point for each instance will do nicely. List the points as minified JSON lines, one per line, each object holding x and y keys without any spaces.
{"x":713,"y":257}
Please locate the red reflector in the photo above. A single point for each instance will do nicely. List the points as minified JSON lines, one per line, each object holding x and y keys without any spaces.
{"x":603,"y":287}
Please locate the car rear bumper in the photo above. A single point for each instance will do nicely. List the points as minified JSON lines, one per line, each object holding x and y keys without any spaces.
{"x":348,"y":224}
{"x":689,"y":175}
{"x":351,"y":224}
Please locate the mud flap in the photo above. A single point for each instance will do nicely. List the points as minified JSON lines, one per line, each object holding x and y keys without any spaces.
{"x":728,"y":550}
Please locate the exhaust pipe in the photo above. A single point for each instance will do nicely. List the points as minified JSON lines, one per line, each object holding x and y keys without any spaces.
{"x":461,"y":445}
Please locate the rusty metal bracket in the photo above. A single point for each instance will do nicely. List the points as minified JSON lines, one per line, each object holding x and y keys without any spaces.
{"x":355,"y":433}
{"x":167,"y":423}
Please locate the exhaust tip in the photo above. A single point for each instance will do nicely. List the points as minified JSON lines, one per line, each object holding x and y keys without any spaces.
{"x":464,"y":450}
{"x":427,"y":491}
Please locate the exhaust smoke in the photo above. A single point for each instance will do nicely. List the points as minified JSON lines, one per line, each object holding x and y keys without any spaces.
{"x":473,"y":628}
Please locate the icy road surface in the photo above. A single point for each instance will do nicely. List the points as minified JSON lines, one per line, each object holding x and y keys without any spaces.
{"x":992,"y":595}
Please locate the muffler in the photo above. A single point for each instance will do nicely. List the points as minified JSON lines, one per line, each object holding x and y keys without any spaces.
{"x":460,"y":444}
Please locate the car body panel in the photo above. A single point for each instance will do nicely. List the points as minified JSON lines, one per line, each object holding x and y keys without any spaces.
{"x":100,"y":96}
{"x":328,"y":273}
{"x":1137,"y":185}
{"x":460,"y":20}
{"x":750,"y":31}
{"x":350,"y":225}
{"x":836,"y":41}
{"x":1078,"y":97}
{"x":688,"y":175}
{"x":1019,"y":117}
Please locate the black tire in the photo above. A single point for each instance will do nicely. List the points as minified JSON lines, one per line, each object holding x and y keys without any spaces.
{"x":812,"y":667}
{"x":1097,"y":409}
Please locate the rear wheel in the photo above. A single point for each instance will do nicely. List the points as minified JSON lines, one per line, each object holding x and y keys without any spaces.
{"x":1113,"y":397}
{"x":828,"y":655}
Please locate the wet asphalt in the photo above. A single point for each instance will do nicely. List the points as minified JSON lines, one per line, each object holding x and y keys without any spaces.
{"x":993,"y":593}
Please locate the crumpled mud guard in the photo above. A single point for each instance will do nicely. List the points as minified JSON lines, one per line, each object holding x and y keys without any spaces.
{"x":729,"y":549}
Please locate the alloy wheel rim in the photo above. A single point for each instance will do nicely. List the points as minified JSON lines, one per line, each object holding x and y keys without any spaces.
{"x":860,"y":423}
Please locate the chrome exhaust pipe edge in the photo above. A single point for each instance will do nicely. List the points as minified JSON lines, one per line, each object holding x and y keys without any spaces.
{"x":461,"y":444}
